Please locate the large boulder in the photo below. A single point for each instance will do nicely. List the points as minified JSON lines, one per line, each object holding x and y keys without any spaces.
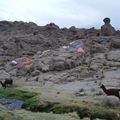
{"x":35,"y":73}
{"x":51,"y":26}
{"x":56,"y":60}
{"x":91,"y":32}
{"x":109,"y":100}
{"x":67,"y":61}
{"x":97,"y":61}
{"x":113,"y":55}
{"x":112,"y":64}
{"x":115,"y":43}
{"x":42,"y":64}
{"x":98,"y":48}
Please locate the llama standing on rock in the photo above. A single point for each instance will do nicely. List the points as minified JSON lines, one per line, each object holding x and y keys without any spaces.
{"x":112,"y":91}
{"x":7,"y":82}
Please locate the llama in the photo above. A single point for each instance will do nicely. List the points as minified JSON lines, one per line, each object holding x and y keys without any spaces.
{"x":7,"y":82}
{"x":112,"y":91}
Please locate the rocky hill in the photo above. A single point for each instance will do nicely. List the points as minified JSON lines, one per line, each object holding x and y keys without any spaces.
{"x":73,"y":61}
{"x":19,"y":40}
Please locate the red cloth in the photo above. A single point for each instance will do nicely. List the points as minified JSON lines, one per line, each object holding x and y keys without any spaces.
{"x":80,"y":50}
{"x":20,"y":65}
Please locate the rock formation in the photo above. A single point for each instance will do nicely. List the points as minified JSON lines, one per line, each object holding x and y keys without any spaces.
{"x":107,"y":29}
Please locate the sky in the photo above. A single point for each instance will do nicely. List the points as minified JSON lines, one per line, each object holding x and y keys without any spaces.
{"x":64,"y":13}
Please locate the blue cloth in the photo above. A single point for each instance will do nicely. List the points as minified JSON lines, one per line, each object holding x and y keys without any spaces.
{"x":75,"y":45}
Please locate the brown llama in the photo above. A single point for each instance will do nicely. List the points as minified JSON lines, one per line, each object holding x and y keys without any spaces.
{"x":112,"y":91}
{"x":7,"y":82}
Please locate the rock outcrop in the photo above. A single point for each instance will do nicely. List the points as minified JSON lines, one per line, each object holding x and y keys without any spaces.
{"x":107,"y":29}
{"x":53,"y":56}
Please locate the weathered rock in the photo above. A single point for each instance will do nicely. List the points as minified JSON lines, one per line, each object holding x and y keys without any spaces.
{"x":91,"y":32}
{"x":73,"y":29}
{"x":94,"y":67}
{"x":21,"y":72}
{"x":36,"y":78}
{"x":112,"y":64}
{"x":56,"y":60}
{"x":49,"y":77}
{"x":109,"y":100}
{"x":35,"y":73}
{"x":97,"y":62}
{"x":13,"y":72}
{"x":81,"y":92}
{"x":41,"y":65}
{"x":115,"y":43}
{"x":4,"y":75}
{"x":114,"y":56}
{"x":52,"y":26}
{"x":107,"y":28}
{"x":98,"y":48}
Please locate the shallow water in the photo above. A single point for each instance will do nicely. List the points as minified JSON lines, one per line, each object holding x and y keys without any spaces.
{"x":10,"y":104}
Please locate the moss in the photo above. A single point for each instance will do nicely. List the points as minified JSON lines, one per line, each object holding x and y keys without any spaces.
{"x":17,"y":94}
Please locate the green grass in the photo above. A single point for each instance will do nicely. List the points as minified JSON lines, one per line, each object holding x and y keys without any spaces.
{"x":82,"y":108}
{"x":17,"y":94}
{"x":5,"y":115}
{"x":27,"y":115}
{"x":87,"y":111}
{"x":27,"y":97}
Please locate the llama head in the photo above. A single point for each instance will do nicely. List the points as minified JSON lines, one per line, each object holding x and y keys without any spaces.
{"x":99,"y":83}
{"x":102,"y":86}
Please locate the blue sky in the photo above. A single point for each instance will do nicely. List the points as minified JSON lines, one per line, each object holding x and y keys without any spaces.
{"x":65,"y":13}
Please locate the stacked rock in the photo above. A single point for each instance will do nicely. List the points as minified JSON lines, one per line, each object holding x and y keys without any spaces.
{"x":107,"y":29}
